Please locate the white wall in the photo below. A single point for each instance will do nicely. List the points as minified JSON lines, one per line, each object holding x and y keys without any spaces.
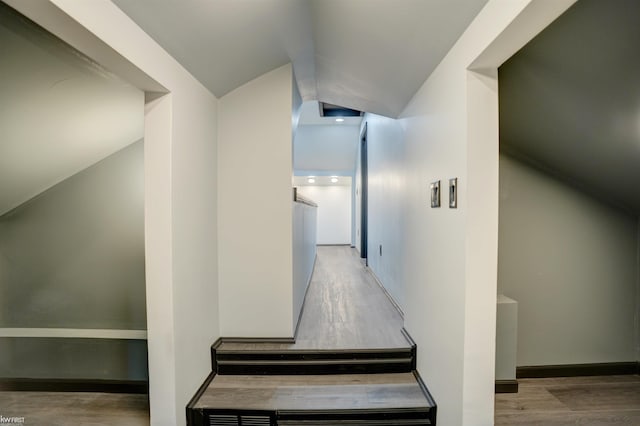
{"x":180,"y":167}
{"x":386,"y":202}
{"x":334,"y":212}
{"x":571,"y":263}
{"x":450,"y":130}
{"x":305,"y":223}
{"x":330,"y":148}
{"x":254,"y":207}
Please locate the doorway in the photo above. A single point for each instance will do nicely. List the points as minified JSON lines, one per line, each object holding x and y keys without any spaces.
{"x":568,"y":231}
{"x":364,"y":194}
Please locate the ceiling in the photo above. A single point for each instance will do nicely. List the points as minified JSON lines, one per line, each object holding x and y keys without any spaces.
{"x":310,"y":115}
{"x":322,"y":181}
{"x":59,"y":112}
{"x":570,"y":100}
{"x":369,"y":55}
{"x":322,"y":147}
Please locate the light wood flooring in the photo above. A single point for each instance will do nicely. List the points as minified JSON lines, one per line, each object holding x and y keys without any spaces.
{"x":75,"y":408}
{"x":593,"y":401}
{"x":345,"y":308}
{"x":323,"y":392}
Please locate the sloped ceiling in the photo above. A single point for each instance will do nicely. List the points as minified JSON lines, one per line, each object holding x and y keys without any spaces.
{"x":59,"y":113}
{"x":370,"y":55}
{"x":570,"y":100}
{"x":322,"y":147}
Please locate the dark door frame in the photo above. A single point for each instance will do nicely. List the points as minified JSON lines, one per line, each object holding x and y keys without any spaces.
{"x":364,"y":193}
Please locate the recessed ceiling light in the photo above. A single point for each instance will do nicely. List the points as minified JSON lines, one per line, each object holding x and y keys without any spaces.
{"x":339,"y":120}
{"x":311,"y":180}
{"x":334,"y":180}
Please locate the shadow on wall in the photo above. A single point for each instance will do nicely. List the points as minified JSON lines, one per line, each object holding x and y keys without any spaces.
{"x":73,"y":257}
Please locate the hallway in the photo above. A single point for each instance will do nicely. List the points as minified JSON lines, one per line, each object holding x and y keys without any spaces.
{"x":351,"y":362}
{"x":344,"y":309}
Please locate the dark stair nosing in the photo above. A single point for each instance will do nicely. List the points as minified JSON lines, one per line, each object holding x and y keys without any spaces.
{"x":315,"y":368}
{"x":253,"y":361}
{"x":311,"y":361}
{"x":369,"y":422}
{"x":311,"y":354}
{"x":383,"y":416}
{"x":303,"y":362}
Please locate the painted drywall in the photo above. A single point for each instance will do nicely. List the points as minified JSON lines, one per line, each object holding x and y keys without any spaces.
{"x":180,"y":193}
{"x":305,"y":224}
{"x":73,"y":358}
{"x":506,"y":338}
{"x":334,"y":212}
{"x":450,"y":129}
{"x":319,"y":148}
{"x":571,"y":263}
{"x":66,"y":112}
{"x":77,"y":250}
{"x":386,"y":202}
{"x":74,"y":258}
{"x":254,"y":207}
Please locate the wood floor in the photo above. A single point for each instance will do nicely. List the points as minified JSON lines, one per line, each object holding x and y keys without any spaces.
{"x":75,"y":408}
{"x":345,"y":308}
{"x":593,"y":401}
{"x":323,"y":392}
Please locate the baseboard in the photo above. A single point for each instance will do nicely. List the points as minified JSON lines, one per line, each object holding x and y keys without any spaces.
{"x":304,"y":298}
{"x":74,"y":385}
{"x":389,"y":296}
{"x":573,"y":370}
{"x":506,"y":386}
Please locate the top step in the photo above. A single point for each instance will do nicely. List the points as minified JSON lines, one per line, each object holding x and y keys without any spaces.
{"x":236,"y":358}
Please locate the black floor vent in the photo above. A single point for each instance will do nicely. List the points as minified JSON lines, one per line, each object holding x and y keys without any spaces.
{"x":221,"y":420}
{"x":234,"y":420}
{"x":255,"y":421}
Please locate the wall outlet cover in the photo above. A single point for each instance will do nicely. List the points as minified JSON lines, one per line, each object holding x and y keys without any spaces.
{"x":453,"y":193}
{"x":435,"y":194}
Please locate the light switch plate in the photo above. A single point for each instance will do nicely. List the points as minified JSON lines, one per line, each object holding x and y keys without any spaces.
{"x":435,"y":194}
{"x":453,"y":193}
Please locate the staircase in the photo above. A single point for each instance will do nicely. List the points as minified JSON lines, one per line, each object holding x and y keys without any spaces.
{"x":271,"y":383}
{"x":352,"y":362}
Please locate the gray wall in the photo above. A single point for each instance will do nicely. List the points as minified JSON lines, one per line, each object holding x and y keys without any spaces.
{"x":571,"y":263}
{"x":305,"y":225}
{"x":73,"y":257}
{"x":386,"y":156}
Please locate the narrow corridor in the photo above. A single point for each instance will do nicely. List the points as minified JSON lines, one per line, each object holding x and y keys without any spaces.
{"x":351,"y":362}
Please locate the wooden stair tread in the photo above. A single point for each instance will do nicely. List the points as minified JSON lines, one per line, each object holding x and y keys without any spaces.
{"x":333,"y":393}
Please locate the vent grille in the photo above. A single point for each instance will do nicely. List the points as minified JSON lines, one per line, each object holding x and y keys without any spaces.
{"x":255,"y":421}
{"x":233,"y":420}
{"x":220,"y":420}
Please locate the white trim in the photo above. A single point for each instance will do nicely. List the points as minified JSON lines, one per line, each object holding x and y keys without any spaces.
{"x":86,"y":333}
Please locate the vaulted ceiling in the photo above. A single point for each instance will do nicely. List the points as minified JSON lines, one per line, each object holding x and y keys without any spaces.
{"x":59,"y":111}
{"x":570,"y":100}
{"x":370,"y":55}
